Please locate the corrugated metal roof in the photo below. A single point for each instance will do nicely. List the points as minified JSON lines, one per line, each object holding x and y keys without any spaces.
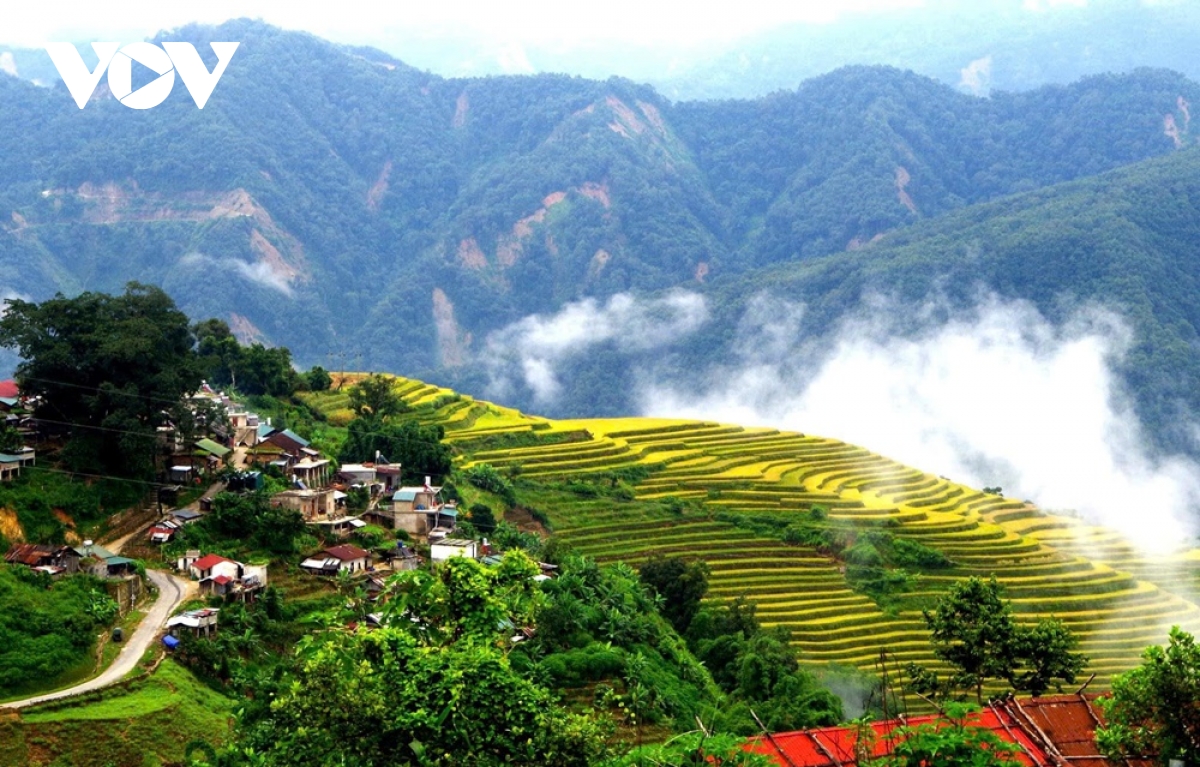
{"x":208,"y":446}
{"x":1052,"y":730}
{"x":294,"y":437}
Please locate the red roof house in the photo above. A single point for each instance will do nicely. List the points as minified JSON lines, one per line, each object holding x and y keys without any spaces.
{"x":344,"y":557}
{"x":9,"y":389}
{"x":1054,"y":731}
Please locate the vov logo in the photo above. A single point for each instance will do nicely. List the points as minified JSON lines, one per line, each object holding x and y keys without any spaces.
{"x":118,"y":60}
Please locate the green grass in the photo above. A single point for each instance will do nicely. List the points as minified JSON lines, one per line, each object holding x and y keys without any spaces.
{"x":148,"y":721}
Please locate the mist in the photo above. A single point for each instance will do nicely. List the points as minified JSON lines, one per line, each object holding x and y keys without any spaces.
{"x":531,"y":351}
{"x":994,"y":396}
{"x":258,"y":272}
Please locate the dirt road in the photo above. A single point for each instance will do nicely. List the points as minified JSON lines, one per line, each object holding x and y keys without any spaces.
{"x":171,"y":591}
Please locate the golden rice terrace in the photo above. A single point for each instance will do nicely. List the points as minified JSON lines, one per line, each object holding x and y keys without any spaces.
{"x":722,"y":493}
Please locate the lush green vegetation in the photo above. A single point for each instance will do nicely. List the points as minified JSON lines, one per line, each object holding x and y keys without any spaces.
{"x":441,"y":209}
{"x":152,"y":721}
{"x":972,"y":628}
{"x":246,"y":525}
{"x":47,"y":627}
{"x":1153,"y":707}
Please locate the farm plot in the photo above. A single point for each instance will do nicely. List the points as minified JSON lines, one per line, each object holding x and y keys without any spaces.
{"x":723,"y":493}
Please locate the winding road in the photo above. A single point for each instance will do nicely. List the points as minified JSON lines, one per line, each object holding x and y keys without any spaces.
{"x":171,"y":592}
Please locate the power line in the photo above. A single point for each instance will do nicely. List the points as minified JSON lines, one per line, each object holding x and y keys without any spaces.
{"x":99,"y":389}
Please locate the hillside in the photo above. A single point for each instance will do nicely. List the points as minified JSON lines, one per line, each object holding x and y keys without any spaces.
{"x":746,"y":500}
{"x":442,"y":209}
{"x":1123,"y":242}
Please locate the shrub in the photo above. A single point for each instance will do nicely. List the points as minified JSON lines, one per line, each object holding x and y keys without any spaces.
{"x":486,"y":478}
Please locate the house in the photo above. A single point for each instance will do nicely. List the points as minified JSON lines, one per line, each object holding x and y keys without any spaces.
{"x":224,"y":577}
{"x":51,"y":559}
{"x":162,"y":532}
{"x":417,"y":511}
{"x":312,"y":469}
{"x":336,"y":558}
{"x":9,"y":388}
{"x":313,"y":505}
{"x":212,"y":566}
{"x":453,"y":547}
{"x":184,"y":562}
{"x":357,"y":474}
{"x":201,"y":622}
{"x":1049,"y":732}
{"x":264,"y":454}
{"x":340,"y":526}
{"x":214,"y":452}
{"x":182,"y":474}
{"x":12,"y":463}
{"x":184,"y":516}
{"x":288,"y":441}
{"x":403,"y":558}
{"x":416,"y":498}
{"x":389,"y":475}
{"x":102,"y":563}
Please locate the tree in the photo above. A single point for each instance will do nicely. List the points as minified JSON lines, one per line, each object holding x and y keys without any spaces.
{"x":1046,"y":652}
{"x":107,"y":368}
{"x":318,"y":379}
{"x":376,"y":396}
{"x":431,"y":686}
{"x":680,"y":583}
{"x":220,"y":352}
{"x":482,"y":518}
{"x":973,"y":629}
{"x":266,"y":370}
{"x":418,"y":449}
{"x":10,"y":439}
{"x":1155,"y":708}
{"x":949,"y":741}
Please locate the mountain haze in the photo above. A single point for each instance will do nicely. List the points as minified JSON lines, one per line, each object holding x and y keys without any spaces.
{"x":368,"y":214}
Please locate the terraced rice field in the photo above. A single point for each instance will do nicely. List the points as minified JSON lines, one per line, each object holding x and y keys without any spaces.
{"x":1116,"y":600}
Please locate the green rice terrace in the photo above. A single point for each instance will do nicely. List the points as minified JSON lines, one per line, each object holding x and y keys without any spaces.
{"x":748,"y":501}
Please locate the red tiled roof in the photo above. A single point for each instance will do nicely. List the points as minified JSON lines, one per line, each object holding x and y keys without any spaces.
{"x":346,"y":552}
{"x":208,"y":561}
{"x":222,"y":579}
{"x":8,"y":388}
{"x":1050,"y":731}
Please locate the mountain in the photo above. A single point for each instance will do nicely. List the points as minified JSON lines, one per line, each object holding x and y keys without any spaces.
{"x":365,"y":213}
{"x":1124,"y":242}
{"x":978,"y":47}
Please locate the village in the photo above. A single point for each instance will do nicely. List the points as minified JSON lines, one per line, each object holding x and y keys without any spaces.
{"x":235,"y":455}
{"x":367,"y":523}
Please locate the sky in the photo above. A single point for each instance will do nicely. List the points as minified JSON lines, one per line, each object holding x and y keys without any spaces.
{"x":540,"y":22}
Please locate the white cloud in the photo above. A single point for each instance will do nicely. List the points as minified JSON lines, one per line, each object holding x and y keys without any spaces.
{"x":997,"y":396}
{"x":530,"y":350}
{"x":258,"y":272}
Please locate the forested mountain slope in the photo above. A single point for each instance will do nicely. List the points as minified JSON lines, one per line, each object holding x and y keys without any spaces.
{"x":1126,"y":242}
{"x":366,"y":213}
